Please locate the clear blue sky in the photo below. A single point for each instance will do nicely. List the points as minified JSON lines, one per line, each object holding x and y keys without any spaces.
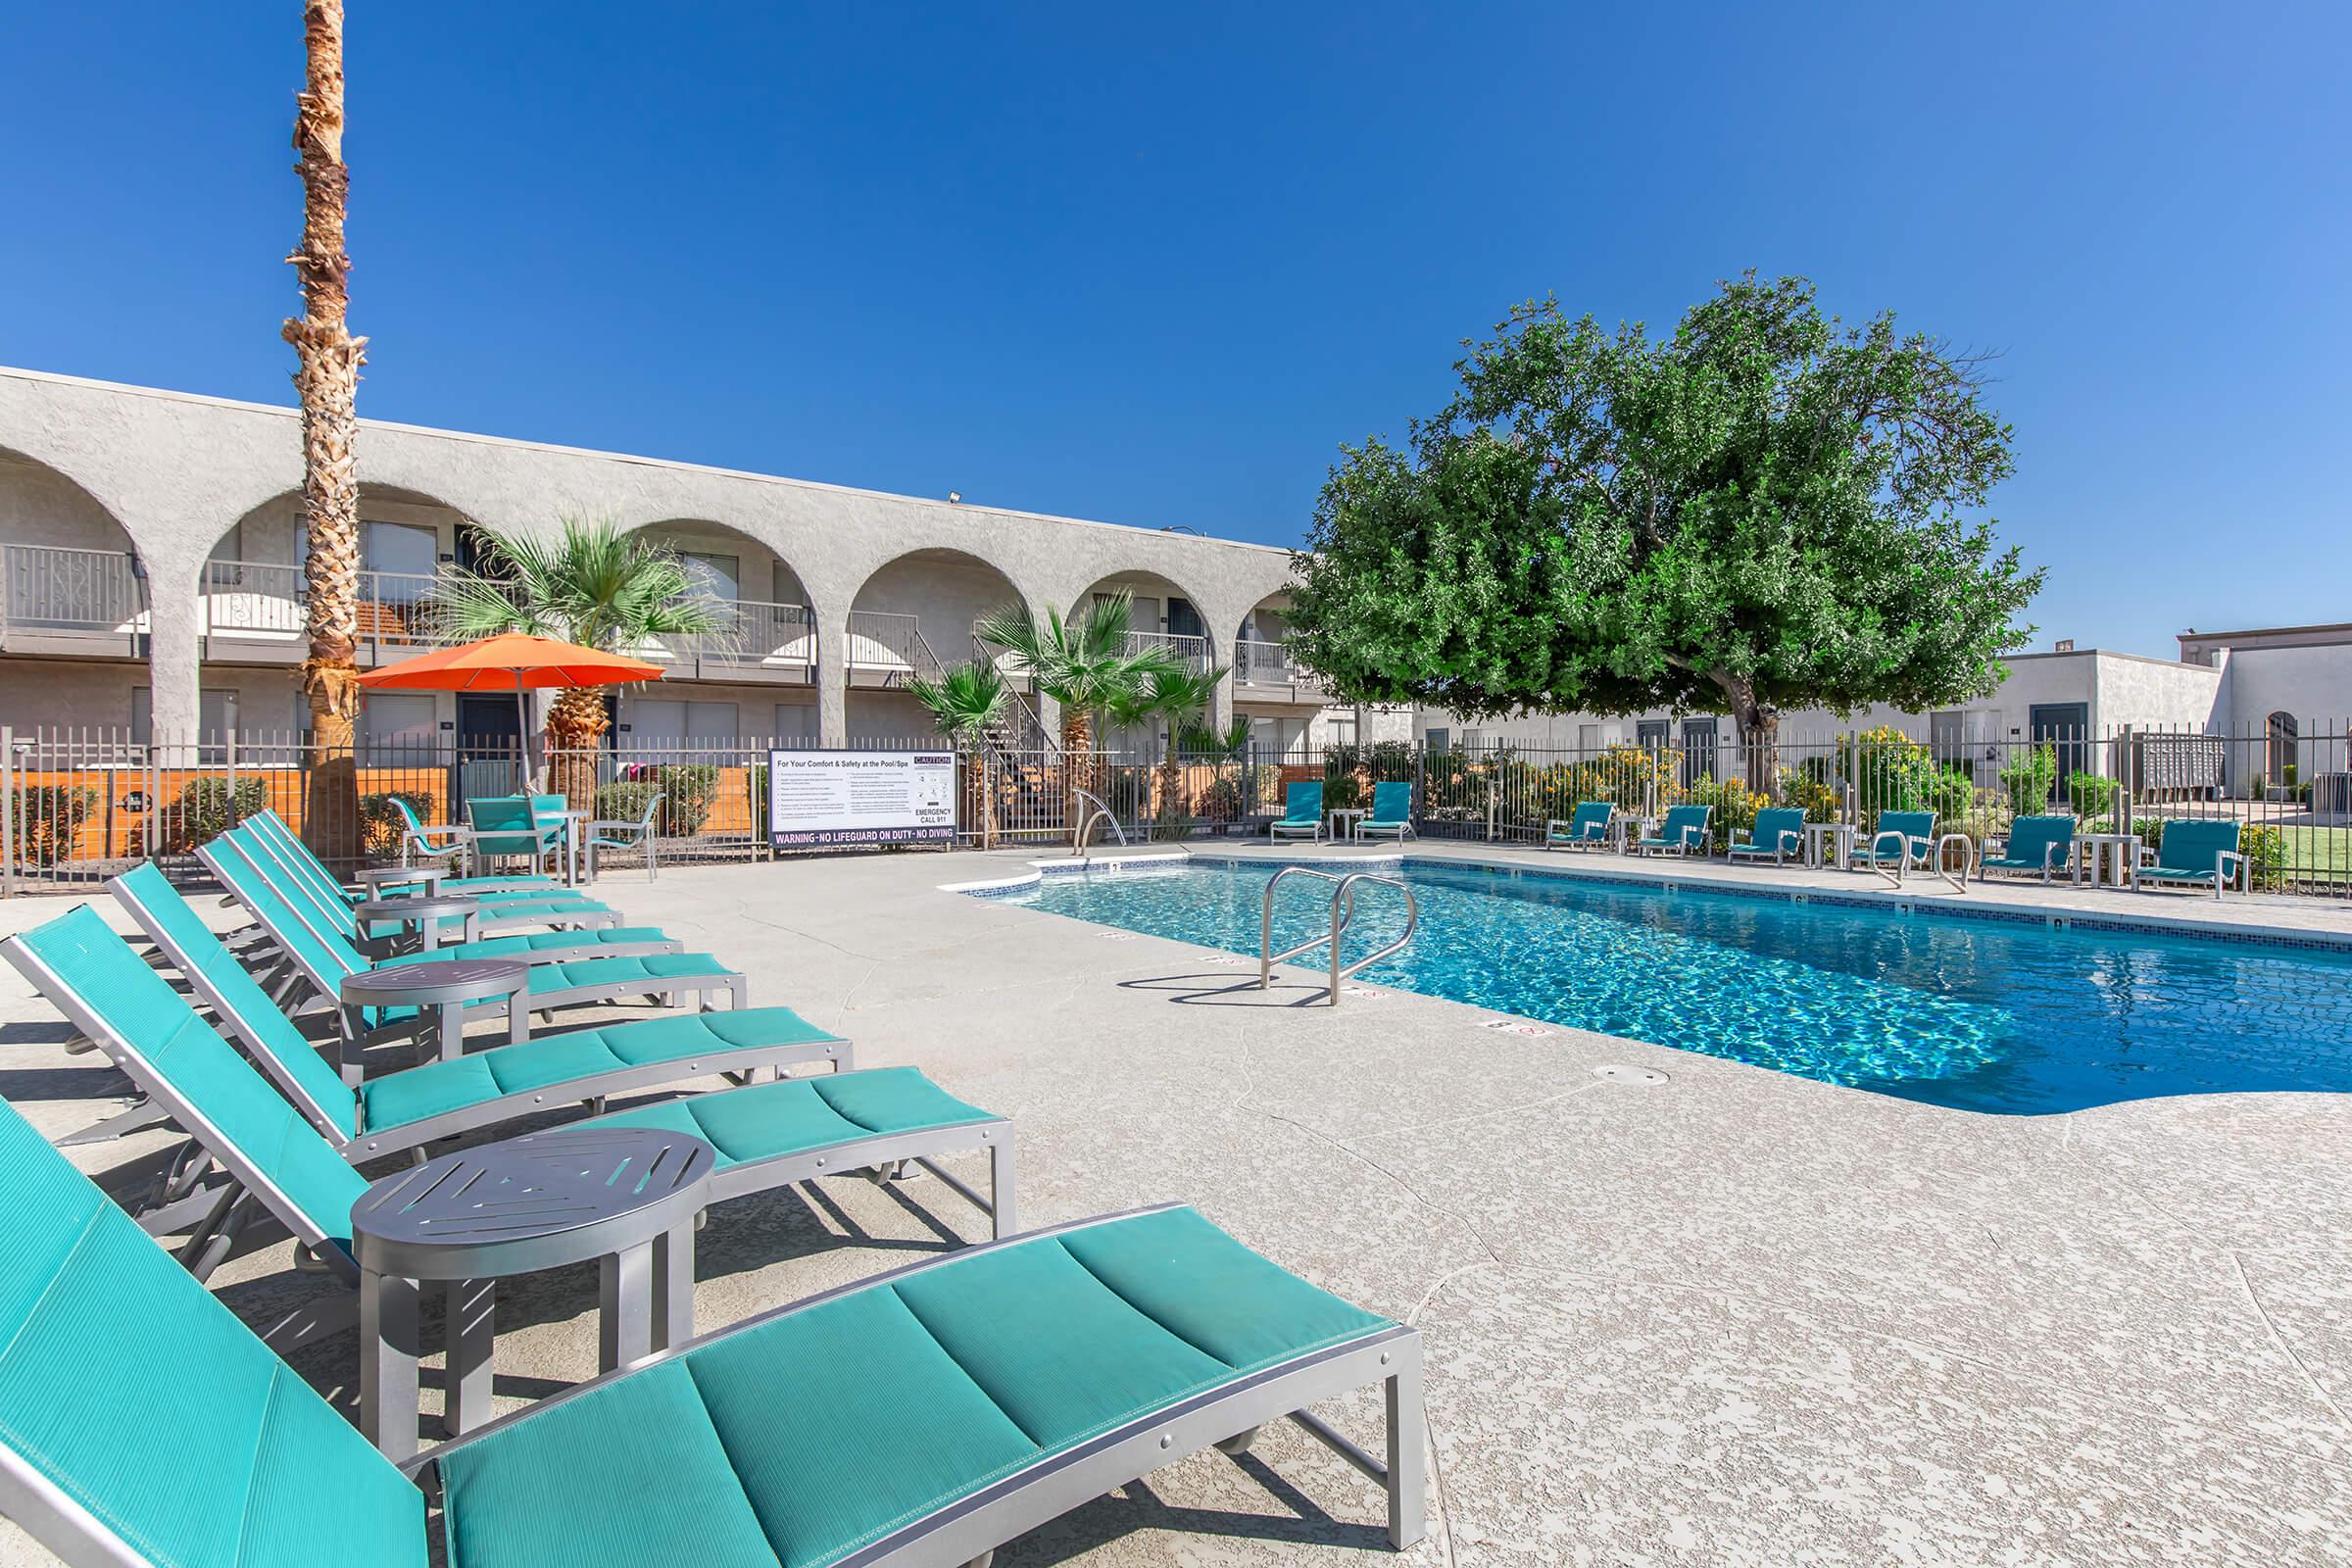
{"x":1151,"y":264}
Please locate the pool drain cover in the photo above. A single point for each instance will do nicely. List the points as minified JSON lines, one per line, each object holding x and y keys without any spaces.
{"x":1619,"y":1074}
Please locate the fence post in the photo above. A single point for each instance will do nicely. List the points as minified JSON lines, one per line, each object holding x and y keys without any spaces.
{"x":2125,"y":769}
{"x":231,"y":761}
{"x":7,"y":809}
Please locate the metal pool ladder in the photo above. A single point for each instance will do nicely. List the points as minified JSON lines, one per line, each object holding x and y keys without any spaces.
{"x":1342,"y":914}
{"x":1101,"y":813}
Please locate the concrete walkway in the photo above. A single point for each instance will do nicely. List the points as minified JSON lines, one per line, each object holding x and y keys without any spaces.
{"x":1737,"y":1317}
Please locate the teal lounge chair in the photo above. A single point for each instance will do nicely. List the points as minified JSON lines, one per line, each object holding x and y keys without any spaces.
{"x":1902,"y":840}
{"x":496,"y":914}
{"x":2036,"y":844}
{"x":274,"y":831}
{"x":1391,"y":813}
{"x":447,"y":840}
{"x":1592,"y":827}
{"x":906,"y":1419}
{"x":398,"y":1112}
{"x":588,"y":930}
{"x":2193,"y":852}
{"x":1780,"y":832}
{"x":766,"y":1136}
{"x":1302,"y":812}
{"x":1683,"y":830}
{"x":619,"y":833}
{"x":314,"y":960}
{"x":506,"y":826}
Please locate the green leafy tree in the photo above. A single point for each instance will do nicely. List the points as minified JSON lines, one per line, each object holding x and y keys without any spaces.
{"x":1762,"y":512}
{"x":966,"y":702}
{"x":593,"y":585}
{"x":1084,"y":664}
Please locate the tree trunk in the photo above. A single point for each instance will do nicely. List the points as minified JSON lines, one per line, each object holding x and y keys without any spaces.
{"x":1759,"y":732}
{"x":576,"y":733}
{"x":328,"y":379}
{"x":1077,"y":761}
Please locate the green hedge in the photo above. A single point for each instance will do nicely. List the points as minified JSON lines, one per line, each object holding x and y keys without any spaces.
{"x":688,"y":790}
{"x":380,"y":825}
{"x":204,"y":809}
{"x":48,"y":817}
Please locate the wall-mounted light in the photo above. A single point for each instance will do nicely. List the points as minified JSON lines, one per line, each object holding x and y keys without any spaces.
{"x":954,"y":497}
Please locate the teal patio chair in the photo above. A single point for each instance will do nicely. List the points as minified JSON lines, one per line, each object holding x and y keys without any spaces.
{"x":1780,"y":832}
{"x":1391,"y":813}
{"x":314,"y":960}
{"x":2193,"y":852}
{"x":419,"y":840}
{"x":289,"y":862}
{"x":141,"y":1422}
{"x":1302,"y":812}
{"x":2036,"y":844}
{"x":1592,"y":827}
{"x":619,"y":833}
{"x":509,"y":826}
{"x":1683,"y":830}
{"x":1901,"y":839}
{"x":322,"y":903}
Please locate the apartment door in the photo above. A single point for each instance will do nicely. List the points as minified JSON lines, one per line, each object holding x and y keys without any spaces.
{"x":1698,"y":750}
{"x":2065,"y":727}
{"x":491,"y":759}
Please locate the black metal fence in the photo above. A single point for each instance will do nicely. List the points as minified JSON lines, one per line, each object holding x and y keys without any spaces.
{"x":77,"y":806}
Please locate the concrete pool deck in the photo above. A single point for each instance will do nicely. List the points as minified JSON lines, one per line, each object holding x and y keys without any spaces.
{"x":1737,"y":1317}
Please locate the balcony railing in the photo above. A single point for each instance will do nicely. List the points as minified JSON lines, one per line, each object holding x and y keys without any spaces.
{"x":51,"y":592}
{"x":887,"y":647}
{"x":1190,"y":651}
{"x":1266,"y":668}
{"x":261,"y":603}
{"x":758,"y":641}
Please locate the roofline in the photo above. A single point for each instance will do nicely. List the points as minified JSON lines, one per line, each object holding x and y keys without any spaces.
{"x":2105,"y":652}
{"x":166,"y":394}
{"x":2263,"y":631}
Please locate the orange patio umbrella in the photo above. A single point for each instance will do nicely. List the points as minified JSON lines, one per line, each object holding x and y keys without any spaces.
{"x":511,"y":662}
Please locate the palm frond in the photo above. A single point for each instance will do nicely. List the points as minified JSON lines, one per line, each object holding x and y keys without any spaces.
{"x":965,"y":700}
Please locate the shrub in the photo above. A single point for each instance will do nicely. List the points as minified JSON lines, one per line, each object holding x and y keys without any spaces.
{"x":1736,"y":806}
{"x":1891,"y":772}
{"x":2092,"y":795}
{"x":202,"y":813}
{"x":1342,"y":792}
{"x":49,"y":818}
{"x":688,"y":791}
{"x":1222,"y":800}
{"x":2265,"y":849}
{"x":2030,"y":778}
{"x":1809,"y":789}
{"x":625,"y":801}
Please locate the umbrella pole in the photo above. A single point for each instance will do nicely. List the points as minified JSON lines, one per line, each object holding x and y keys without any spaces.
{"x":522,"y":734}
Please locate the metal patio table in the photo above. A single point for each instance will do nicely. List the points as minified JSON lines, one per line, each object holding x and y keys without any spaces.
{"x":440,"y":991}
{"x":1816,"y":851}
{"x":379,"y":877}
{"x":1344,"y":823}
{"x":426,"y":912}
{"x":2097,"y":847}
{"x":627,"y":1196}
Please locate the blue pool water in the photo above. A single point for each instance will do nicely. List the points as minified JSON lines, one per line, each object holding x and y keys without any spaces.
{"x":1980,"y":1014}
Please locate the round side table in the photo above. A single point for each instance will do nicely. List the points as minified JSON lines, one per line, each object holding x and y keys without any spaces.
{"x":426,"y":912}
{"x":440,"y":991}
{"x":625,"y":1196}
{"x":379,"y":877}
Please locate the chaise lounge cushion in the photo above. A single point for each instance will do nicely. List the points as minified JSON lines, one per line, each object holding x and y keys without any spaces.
{"x":770,"y":1119}
{"x":815,"y":1433}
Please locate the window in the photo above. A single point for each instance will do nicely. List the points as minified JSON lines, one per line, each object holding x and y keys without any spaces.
{"x":216,"y":714}
{"x":669,"y":730}
{"x":1439,"y":740}
{"x":795,"y":722}
{"x":1588,"y":737}
{"x":715,"y":577}
{"x":1947,"y":738}
{"x":406,"y":556}
{"x":1340,"y":729}
{"x":398,"y":729}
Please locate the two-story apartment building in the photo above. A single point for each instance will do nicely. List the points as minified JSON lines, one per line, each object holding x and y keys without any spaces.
{"x":151,"y":580}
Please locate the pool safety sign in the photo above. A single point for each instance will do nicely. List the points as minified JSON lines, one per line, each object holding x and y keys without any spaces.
{"x":816,"y":799}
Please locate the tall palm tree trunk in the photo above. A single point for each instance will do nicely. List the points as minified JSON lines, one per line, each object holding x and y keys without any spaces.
{"x":576,"y":733}
{"x":328,"y":379}
{"x":1077,"y":761}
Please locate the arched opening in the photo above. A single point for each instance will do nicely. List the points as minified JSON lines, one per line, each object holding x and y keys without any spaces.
{"x":252,"y":622}
{"x":74,"y":604}
{"x":1285,"y":704}
{"x":766,"y":638}
{"x":1161,"y":614}
{"x":915,"y":616}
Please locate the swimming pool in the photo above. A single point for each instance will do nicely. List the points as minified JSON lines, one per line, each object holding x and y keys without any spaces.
{"x":1980,"y":1014}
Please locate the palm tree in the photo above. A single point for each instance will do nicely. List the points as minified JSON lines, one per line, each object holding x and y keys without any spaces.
{"x":966,"y":702}
{"x":593,"y":585}
{"x":326,"y":377}
{"x":1180,"y":696}
{"x":1084,"y":664}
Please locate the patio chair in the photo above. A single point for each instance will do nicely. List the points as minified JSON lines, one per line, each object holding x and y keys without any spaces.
{"x":895,"y":1419}
{"x":2193,"y":852}
{"x":1302,"y":812}
{"x":1780,"y":832}
{"x":768,"y":1135}
{"x":399,"y":1110}
{"x":1391,"y":813}
{"x":284,"y":839}
{"x":506,"y":826}
{"x":1904,"y":839}
{"x":2036,"y":844}
{"x":617,"y":833}
{"x":1593,"y":826}
{"x":307,"y":883}
{"x":249,"y":862}
{"x":1683,"y":830}
{"x":314,"y":960}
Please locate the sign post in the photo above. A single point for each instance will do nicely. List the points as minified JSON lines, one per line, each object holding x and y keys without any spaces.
{"x":823,"y":798}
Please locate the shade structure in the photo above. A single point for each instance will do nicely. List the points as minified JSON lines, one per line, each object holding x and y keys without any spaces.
{"x":511,"y":662}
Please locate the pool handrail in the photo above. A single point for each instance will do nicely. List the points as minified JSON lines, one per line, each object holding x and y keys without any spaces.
{"x":1343,"y":915}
